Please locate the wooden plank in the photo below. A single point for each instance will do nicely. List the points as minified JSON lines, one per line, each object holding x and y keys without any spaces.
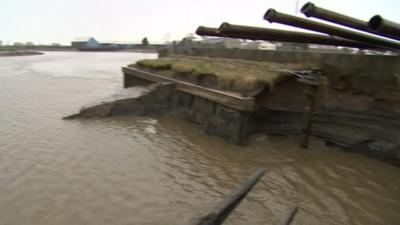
{"x":145,"y":75}
{"x":222,"y":97}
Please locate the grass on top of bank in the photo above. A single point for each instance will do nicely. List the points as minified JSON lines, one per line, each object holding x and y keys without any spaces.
{"x":243,"y":76}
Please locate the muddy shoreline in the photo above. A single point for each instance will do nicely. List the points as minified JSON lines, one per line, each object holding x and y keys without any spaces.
{"x":6,"y":49}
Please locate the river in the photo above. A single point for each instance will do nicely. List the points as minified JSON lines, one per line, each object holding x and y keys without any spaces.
{"x":138,"y":170}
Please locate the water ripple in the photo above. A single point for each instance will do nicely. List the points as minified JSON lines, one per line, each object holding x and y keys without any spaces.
{"x":139,"y":170}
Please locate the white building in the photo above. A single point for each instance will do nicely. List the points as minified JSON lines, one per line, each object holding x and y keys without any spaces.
{"x":85,"y":42}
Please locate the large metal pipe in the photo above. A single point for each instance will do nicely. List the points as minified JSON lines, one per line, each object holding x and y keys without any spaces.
{"x":207,"y":31}
{"x":256,"y":33}
{"x":311,"y":10}
{"x":273,"y":16}
{"x":386,"y":27}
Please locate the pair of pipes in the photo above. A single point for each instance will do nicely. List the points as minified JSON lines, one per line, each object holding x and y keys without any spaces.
{"x":337,"y":36}
{"x":376,"y":25}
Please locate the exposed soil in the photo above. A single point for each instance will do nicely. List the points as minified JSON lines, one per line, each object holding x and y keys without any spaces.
{"x":243,"y":76}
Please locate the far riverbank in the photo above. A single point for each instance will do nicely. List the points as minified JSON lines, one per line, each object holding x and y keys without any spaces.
{"x":149,"y":49}
{"x":19,"y":53}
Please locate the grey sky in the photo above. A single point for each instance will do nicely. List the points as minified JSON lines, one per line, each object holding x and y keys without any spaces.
{"x":46,"y":21}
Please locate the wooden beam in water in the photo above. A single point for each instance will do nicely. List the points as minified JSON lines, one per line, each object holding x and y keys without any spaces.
{"x":290,"y":216}
{"x":224,"y":209}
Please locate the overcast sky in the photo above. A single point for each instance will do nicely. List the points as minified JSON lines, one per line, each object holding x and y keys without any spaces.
{"x":47,"y":21}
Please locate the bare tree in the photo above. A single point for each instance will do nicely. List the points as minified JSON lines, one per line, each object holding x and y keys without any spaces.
{"x":145,"y":42}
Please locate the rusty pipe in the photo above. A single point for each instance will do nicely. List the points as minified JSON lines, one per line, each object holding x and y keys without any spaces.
{"x":386,"y":27}
{"x":273,"y":16}
{"x":256,"y":33}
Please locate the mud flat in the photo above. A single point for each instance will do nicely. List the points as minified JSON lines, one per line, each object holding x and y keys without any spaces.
{"x":19,"y":53}
{"x":358,"y":108}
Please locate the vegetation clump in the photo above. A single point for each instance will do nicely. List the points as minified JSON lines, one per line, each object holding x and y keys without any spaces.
{"x":154,"y":64}
{"x":243,"y":76}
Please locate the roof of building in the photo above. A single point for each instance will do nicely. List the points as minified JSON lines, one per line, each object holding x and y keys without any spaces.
{"x":82,"y":39}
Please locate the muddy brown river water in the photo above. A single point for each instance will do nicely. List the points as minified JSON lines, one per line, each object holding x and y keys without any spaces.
{"x":138,"y":170}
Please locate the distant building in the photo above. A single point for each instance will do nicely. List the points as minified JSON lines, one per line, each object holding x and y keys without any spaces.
{"x":91,"y":44}
{"x":223,"y":42}
{"x":84,"y":42}
{"x":235,"y":43}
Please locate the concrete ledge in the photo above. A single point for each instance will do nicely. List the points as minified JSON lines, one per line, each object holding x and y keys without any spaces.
{"x":228,"y":99}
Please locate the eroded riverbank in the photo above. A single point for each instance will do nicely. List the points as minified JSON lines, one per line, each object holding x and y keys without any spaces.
{"x":355,"y":109}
